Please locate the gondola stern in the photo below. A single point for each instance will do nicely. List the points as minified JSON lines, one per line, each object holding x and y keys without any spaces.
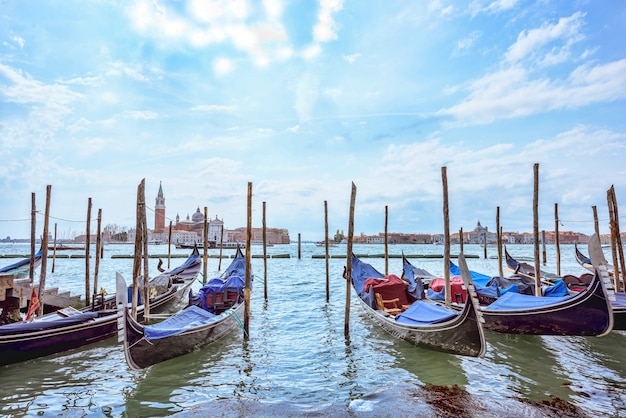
{"x":472,"y":304}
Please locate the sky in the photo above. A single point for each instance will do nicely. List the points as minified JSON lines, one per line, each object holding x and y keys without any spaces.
{"x":304,"y":98}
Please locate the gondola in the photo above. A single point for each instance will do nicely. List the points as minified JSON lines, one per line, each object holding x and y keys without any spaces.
{"x":67,"y":329}
{"x":619,"y":304}
{"x":587,"y":313}
{"x":424,"y":323}
{"x":22,"y":267}
{"x":210,"y":315}
{"x":585,"y":262}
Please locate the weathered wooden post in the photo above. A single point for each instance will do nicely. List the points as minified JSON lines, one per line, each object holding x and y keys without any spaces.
{"x":557,"y":240}
{"x":264,"y":254}
{"x":54,"y":251}
{"x":536,"y":230}
{"x":386,"y":241}
{"x":137,"y":253}
{"x":98,"y":250}
{"x":33,"y":223}
{"x":446,"y":237}
{"x":146,"y":274}
{"x":326,"y":251}
{"x":299,"y":245}
{"x":618,"y":251}
{"x":169,"y":245}
{"x":219,"y":265}
{"x":44,"y":253}
{"x":205,"y":243}
{"x":499,"y":241}
{"x":246,"y":290}
{"x":346,"y":325}
{"x":543,"y":246}
{"x":461,"y":240}
{"x":87,"y":252}
{"x":485,"y":244}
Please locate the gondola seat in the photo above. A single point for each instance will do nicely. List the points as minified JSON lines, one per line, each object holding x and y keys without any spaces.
{"x":390,"y":306}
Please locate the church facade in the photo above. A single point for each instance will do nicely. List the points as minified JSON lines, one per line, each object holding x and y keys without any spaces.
{"x":191,"y":229}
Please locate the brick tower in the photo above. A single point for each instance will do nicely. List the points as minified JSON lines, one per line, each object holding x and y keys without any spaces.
{"x":159,"y":212}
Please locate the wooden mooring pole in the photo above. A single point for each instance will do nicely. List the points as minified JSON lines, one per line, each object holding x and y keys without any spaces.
{"x":33,"y":223}
{"x":169,"y":245}
{"x":137,"y":252}
{"x":87,"y":252}
{"x":557,"y":241}
{"x":536,"y":230}
{"x":146,"y":274}
{"x":44,"y":253}
{"x":499,"y":241}
{"x":446,"y":237}
{"x":327,"y":258}
{"x":246,"y":289}
{"x":54,"y":251}
{"x":205,"y":253}
{"x":543,"y":246}
{"x":618,"y":251}
{"x":264,"y":254}
{"x":219,"y":265}
{"x":98,"y":251}
{"x":348,"y":276}
{"x":386,"y":241}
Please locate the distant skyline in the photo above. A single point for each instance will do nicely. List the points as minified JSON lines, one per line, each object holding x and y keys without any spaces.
{"x":302,"y":99}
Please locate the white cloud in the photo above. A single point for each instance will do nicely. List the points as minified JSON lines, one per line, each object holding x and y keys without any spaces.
{"x":529,"y":42}
{"x":90,"y":146}
{"x":311,"y":52}
{"x":491,"y":7}
{"x":307,"y":92}
{"x":325,"y":28}
{"x":513,"y":93}
{"x":223,"y":66}
{"x":141,"y":115}
{"x":214,"y":108}
{"x":467,"y":43}
{"x":19,"y":41}
{"x":351,"y":58}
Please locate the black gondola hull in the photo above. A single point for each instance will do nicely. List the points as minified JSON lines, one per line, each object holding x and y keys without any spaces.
{"x":588,"y":313}
{"x":141,"y":353}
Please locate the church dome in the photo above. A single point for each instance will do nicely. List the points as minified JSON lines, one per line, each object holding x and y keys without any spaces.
{"x":197,"y":217}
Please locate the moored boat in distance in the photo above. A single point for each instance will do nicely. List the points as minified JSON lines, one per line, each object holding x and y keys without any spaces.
{"x":71,"y":328}
{"x":396,"y":307}
{"x":210,"y":315}
{"x":585,"y":313}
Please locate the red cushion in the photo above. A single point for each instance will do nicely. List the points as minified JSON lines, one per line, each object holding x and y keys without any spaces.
{"x":456,"y":287}
{"x":391,"y":287}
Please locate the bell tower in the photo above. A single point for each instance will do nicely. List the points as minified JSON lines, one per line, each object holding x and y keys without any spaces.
{"x":159,"y":211}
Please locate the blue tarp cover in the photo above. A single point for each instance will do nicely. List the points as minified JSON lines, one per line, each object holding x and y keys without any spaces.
{"x":190,"y":317}
{"x":512,"y":301}
{"x":218,"y":285}
{"x":425,"y":313}
{"x":23,"y":327}
{"x":495,"y":286}
{"x":22,"y":263}
{"x":477,"y":278}
{"x":559,"y":288}
{"x":190,"y":262}
{"x":414,"y":275}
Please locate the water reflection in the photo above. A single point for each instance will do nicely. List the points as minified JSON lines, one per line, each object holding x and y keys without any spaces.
{"x":593,"y":370}
{"x":522,"y":364}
